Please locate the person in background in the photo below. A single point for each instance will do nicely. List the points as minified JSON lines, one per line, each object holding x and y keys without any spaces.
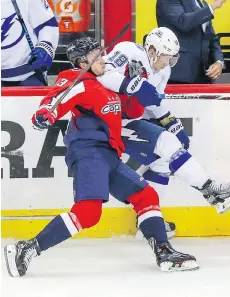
{"x":18,"y":66}
{"x":201,"y":59}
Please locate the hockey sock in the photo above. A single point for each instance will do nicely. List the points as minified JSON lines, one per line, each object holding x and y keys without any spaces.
{"x":181,"y":162}
{"x":188,"y":170}
{"x":59,"y":229}
{"x":83,"y":214}
{"x":153,"y":227}
{"x":150,"y":220}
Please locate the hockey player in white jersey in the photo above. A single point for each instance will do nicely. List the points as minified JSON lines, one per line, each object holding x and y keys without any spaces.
{"x":18,"y":67}
{"x":158,"y":137}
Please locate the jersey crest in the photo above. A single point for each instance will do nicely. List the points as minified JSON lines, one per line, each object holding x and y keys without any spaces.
{"x":11,"y":31}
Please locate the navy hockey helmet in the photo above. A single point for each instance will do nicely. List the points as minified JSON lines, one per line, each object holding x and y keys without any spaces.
{"x":77,"y":50}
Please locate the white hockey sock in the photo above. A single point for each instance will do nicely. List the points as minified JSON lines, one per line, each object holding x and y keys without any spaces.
{"x":192,"y":173}
{"x":181,"y":163}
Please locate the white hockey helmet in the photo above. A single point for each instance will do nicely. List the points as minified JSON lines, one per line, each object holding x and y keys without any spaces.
{"x":165,"y":42}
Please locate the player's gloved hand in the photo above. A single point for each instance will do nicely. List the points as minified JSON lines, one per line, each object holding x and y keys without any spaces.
{"x":43,"y":117}
{"x":44,"y":53}
{"x":137,"y":68}
{"x":139,"y":87}
{"x":175,"y":126}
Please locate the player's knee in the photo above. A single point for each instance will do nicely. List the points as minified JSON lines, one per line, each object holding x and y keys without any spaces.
{"x":146,"y":200}
{"x":167,"y":145}
{"x":87,"y":212}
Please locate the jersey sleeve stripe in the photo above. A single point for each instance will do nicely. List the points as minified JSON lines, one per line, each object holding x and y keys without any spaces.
{"x":50,"y":23}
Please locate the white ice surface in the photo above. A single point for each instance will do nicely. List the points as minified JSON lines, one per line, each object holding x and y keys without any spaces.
{"x":123,"y":267}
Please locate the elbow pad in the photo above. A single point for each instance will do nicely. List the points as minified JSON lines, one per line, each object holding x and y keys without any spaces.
{"x":142,"y":89}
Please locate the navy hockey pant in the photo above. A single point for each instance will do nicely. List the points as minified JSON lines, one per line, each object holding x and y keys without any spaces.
{"x":98,"y":172}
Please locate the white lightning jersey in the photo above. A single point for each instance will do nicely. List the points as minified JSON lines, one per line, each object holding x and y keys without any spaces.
{"x":116,"y":65}
{"x":15,"y":51}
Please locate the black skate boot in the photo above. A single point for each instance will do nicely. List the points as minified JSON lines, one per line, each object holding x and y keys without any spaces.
{"x":19,"y":256}
{"x":169,"y":259}
{"x":217,"y":195}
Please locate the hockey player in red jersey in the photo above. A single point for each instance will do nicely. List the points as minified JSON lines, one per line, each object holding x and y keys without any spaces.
{"x":94,"y":147}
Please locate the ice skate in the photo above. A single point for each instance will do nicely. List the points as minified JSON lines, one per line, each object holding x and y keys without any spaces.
{"x":217,"y":195}
{"x":170,"y":260}
{"x":19,"y":256}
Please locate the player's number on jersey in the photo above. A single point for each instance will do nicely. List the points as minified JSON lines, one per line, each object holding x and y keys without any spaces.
{"x":61,"y":82}
{"x":118,"y":59}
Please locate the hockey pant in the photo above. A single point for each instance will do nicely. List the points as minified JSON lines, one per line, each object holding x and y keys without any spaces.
{"x":97,"y":175}
{"x":156,"y":154}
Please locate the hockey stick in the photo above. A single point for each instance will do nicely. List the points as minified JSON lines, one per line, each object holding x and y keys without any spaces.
{"x":199,"y":96}
{"x":34,"y":55}
{"x":83,"y":71}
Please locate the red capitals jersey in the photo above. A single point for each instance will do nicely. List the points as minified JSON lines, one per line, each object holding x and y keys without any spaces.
{"x":96,"y":111}
{"x":131,"y":108}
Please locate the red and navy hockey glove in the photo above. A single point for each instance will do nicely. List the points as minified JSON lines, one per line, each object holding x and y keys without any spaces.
{"x":43,"y":118}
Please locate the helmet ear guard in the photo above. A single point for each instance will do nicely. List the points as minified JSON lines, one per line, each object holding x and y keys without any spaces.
{"x":77,"y":62}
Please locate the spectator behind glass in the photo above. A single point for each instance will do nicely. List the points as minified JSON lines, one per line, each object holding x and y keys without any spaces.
{"x":201,"y":59}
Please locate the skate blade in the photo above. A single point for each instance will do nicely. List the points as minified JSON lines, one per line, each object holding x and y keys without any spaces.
{"x":10,"y":253}
{"x":185,"y":266}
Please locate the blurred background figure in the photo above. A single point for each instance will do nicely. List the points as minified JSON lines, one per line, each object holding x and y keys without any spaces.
{"x":201,"y":59}
{"x":18,"y":66}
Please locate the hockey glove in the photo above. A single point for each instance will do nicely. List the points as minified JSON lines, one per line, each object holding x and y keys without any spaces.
{"x":137,"y":68}
{"x":43,"y":118}
{"x":175,"y":126}
{"x":139,"y":87}
{"x":44,"y":57}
